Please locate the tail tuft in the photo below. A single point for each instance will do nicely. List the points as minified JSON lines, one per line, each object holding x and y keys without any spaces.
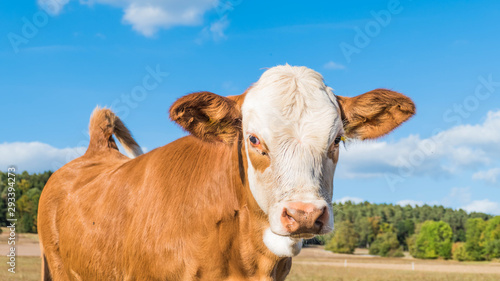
{"x":103,"y":125}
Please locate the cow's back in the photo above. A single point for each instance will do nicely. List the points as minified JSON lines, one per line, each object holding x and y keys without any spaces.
{"x":71,"y":199}
{"x":155,"y":216}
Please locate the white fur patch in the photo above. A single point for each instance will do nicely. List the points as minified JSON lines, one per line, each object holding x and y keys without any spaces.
{"x":282,"y":246}
{"x":258,"y":191}
{"x":298,"y":118}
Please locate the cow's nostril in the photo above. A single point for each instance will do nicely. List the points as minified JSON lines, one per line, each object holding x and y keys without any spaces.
{"x":320,"y":221}
{"x":318,"y":224}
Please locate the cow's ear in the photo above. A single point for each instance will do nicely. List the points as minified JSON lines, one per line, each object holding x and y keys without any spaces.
{"x":208,"y":116}
{"x":375,"y":113}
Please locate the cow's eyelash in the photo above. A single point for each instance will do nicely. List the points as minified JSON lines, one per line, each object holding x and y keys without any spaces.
{"x":340,"y":139}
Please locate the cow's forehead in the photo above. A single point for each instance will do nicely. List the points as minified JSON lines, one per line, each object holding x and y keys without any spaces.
{"x":292,"y":102}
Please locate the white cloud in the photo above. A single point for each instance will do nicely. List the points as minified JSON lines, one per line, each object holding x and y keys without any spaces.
{"x":52,"y":7}
{"x":36,"y":156}
{"x":410,"y":202}
{"x":343,"y":200}
{"x":447,"y":153}
{"x":490,"y":175}
{"x":333,"y":65}
{"x":483,"y":206}
{"x":217,"y":28}
{"x":148,"y":16}
{"x":216,"y":31}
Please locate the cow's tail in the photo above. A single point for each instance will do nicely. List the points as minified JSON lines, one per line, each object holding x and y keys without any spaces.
{"x":103,"y":125}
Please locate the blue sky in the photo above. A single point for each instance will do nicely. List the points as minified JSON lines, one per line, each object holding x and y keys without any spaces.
{"x":60,"y":58}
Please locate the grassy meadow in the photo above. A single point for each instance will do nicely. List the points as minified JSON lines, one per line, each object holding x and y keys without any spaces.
{"x":27,"y":268}
{"x":308,"y":272}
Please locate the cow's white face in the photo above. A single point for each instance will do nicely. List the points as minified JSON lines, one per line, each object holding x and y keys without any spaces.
{"x":291,"y":127}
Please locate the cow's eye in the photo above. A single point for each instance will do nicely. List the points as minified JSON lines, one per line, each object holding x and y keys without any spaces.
{"x":254,"y":140}
{"x":337,"y":140}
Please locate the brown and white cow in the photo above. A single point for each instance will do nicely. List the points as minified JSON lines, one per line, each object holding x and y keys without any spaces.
{"x":231,"y":201}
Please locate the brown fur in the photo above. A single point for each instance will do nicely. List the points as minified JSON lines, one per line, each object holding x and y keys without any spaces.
{"x":207,"y":116}
{"x":259,"y":155}
{"x":103,"y":125}
{"x":239,"y":99}
{"x":183,"y":211}
{"x":180,"y":212}
{"x":375,"y":113}
{"x":259,"y":162}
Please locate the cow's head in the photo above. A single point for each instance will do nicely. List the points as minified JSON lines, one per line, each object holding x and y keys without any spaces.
{"x":292,"y":125}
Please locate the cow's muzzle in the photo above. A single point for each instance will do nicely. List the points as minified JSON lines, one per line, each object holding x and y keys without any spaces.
{"x":304,"y":220}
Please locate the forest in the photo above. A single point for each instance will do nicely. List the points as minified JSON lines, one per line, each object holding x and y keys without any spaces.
{"x":427,"y":232}
{"x":28,"y":188}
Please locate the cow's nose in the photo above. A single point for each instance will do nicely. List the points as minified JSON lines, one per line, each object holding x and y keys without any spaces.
{"x":299,"y":218}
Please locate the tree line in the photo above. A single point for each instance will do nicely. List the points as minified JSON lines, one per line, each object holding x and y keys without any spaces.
{"x":28,"y":188}
{"x":427,"y":232}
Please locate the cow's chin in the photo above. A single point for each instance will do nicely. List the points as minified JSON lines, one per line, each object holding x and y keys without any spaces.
{"x":282,"y":246}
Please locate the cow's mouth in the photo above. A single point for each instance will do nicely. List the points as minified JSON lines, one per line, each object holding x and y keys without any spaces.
{"x":298,"y":235}
{"x":302,"y":236}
